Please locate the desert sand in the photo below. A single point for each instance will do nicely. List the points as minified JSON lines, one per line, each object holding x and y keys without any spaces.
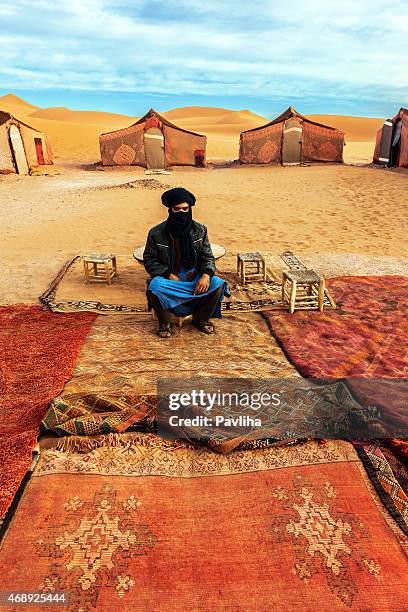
{"x":74,"y":207}
{"x":74,"y":134}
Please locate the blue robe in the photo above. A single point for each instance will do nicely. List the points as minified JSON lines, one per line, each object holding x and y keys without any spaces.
{"x":179,"y":297}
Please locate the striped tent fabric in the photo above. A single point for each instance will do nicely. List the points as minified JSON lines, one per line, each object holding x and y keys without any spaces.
{"x":376,"y":155}
{"x":321,"y":144}
{"x":262,"y":146}
{"x":126,"y":147}
{"x":265,"y":144}
{"x":180,"y":147}
{"x":29,"y":137}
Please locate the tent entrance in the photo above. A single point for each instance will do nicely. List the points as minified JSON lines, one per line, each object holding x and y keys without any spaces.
{"x":17,"y":149}
{"x":292,"y":142}
{"x":385,"y":143}
{"x":39,"y":151}
{"x":396,"y":143}
{"x":154,"y":149}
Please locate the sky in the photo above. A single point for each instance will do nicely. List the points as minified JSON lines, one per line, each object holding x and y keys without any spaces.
{"x":126,"y":56}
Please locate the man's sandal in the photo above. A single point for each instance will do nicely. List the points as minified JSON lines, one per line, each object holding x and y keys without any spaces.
{"x":164,"y":331}
{"x":204,"y":326}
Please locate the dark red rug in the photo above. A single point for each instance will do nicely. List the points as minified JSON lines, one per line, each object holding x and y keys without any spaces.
{"x":38,"y":352}
{"x":367,"y":336}
{"x":364,"y":341}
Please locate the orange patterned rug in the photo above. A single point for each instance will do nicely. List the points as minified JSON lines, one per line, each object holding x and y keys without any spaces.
{"x":158,"y":525}
{"x":39,"y":352}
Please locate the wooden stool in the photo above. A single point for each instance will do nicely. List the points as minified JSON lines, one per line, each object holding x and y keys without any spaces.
{"x":100,"y":268}
{"x":306,"y":290}
{"x":251,"y":267}
{"x":179,"y":321}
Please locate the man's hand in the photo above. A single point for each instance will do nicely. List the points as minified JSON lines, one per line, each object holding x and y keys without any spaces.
{"x":173,"y":277}
{"x":202,"y":284}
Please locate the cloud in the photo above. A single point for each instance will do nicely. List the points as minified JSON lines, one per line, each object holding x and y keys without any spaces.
{"x":261,"y":48}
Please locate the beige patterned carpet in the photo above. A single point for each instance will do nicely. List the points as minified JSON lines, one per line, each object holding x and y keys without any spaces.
{"x":124,"y":355}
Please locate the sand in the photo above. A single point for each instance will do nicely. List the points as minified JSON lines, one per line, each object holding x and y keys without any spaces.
{"x":332,"y":209}
{"x":45,"y":220}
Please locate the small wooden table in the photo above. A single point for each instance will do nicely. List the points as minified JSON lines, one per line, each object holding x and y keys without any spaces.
{"x":251,"y":267}
{"x":100,"y":267}
{"x":217,"y":250}
{"x":306,"y":290}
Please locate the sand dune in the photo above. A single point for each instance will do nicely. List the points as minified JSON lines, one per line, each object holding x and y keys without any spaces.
{"x":239,"y":118}
{"x":356,"y":128}
{"x":199,"y":116}
{"x":224,"y":129}
{"x":192,"y":122}
{"x":193,"y":111}
{"x":251,"y":115}
{"x":60,"y":113}
{"x":75,"y":134}
{"x":12,"y":101}
{"x":209,"y":111}
{"x":16,"y":106}
{"x":73,"y":142}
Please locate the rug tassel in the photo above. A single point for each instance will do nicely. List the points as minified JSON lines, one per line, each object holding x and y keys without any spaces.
{"x":83,"y":444}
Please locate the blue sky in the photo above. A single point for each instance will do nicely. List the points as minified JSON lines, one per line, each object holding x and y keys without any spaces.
{"x":127,"y":55}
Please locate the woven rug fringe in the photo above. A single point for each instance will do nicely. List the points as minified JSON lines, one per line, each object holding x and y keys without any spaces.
{"x":83,"y":444}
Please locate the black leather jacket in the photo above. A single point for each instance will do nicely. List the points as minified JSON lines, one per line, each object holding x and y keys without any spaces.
{"x":159,"y":250}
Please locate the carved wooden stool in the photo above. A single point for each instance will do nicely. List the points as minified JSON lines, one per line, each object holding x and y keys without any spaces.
{"x":251,"y":267}
{"x":306,"y":290}
{"x":100,"y":268}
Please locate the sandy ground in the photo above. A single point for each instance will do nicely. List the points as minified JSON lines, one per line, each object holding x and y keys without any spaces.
{"x":44,"y":220}
{"x":77,"y":209}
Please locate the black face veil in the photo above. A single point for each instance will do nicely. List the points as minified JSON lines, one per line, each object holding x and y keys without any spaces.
{"x":179,"y":224}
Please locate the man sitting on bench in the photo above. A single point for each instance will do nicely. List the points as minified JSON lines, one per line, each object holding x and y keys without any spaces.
{"x":181,"y":266}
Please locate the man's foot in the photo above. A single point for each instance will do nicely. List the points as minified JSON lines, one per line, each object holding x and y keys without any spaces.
{"x":164,"y":331}
{"x":204,"y":326}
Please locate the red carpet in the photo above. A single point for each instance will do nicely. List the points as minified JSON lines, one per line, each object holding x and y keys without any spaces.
{"x":39,"y":349}
{"x":400,"y":448}
{"x":367,"y":336}
{"x":365,"y":340}
{"x":295,"y":528}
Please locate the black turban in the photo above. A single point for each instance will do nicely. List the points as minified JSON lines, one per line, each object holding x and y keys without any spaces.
{"x":177,"y":195}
